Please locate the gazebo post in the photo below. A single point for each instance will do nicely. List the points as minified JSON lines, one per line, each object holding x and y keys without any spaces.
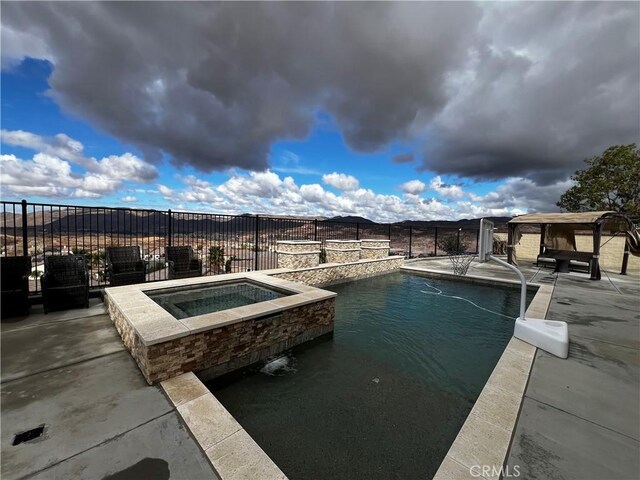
{"x":543,"y":231}
{"x":594,"y":267}
{"x":510,"y":230}
{"x":625,"y":258}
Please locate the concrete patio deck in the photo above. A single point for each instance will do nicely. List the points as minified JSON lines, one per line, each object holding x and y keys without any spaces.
{"x":69,"y":371}
{"x":580,"y":417}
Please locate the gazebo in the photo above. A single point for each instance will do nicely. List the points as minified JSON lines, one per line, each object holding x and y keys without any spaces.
{"x":557,"y":237}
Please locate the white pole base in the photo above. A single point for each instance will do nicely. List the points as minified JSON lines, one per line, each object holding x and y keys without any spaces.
{"x":550,"y":335}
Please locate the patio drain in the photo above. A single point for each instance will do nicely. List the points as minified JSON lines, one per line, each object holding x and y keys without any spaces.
{"x":28,"y":435}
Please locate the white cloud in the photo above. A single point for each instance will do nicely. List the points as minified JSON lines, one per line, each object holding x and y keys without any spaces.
{"x":520,"y":195}
{"x":341,"y":181}
{"x":267,"y":193}
{"x":413,"y":187}
{"x":448,"y":191}
{"x":49,"y":172}
{"x":164,"y":190}
{"x":129,"y":199}
{"x":18,"y":43}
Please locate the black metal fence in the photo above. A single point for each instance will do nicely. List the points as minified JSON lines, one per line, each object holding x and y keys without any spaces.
{"x":248,"y":242}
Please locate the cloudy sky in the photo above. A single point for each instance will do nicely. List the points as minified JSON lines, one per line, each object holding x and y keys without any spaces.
{"x":387,"y":110}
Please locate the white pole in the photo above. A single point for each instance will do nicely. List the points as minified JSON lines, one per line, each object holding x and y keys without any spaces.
{"x":523,"y":281}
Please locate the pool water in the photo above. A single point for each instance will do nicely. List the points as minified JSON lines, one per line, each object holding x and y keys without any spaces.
{"x":189,"y":302}
{"x":386,"y":396}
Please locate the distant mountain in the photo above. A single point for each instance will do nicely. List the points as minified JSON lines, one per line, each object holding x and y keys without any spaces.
{"x":350,"y":219}
{"x":152,"y":222}
{"x":462,"y":223}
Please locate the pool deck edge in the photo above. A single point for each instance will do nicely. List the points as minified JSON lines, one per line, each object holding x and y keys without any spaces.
{"x":481,"y":446}
{"x":233,"y":454}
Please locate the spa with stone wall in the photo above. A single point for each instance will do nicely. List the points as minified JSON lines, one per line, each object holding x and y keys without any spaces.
{"x":220,"y":342}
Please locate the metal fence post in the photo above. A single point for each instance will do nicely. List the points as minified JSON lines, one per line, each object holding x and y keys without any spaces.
{"x":389,"y":231}
{"x":357,"y":230}
{"x":458,"y":241}
{"x":410,"y":239}
{"x":315,"y":229}
{"x":25,"y":243}
{"x":169,"y":230}
{"x":255,"y":267}
{"x":435,"y":244}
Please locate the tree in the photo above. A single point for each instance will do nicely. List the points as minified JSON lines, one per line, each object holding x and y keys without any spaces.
{"x":611,"y":182}
{"x":216,"y":259}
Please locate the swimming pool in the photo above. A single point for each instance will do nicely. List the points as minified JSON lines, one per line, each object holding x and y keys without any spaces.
{"x":387,"y":395}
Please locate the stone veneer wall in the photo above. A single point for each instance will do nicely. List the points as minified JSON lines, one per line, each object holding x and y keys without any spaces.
{"x":326,"y":274}
{"x":374,"y":248}
{"x":228,"y":348}
{"x":298,"y":254}
{"x":342,"y":251}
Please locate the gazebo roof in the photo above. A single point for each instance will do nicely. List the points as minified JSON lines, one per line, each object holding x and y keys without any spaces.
{"x":569,"y":218}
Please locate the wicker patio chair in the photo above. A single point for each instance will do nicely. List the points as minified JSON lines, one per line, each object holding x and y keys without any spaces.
{"x":182,"y":263}
{"x":124,"y":266}
{"x":65,"y":282}
{"x":15,"y":285}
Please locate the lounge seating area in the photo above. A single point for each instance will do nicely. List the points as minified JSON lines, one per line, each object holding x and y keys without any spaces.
{"x":182,"y":262}
{"x":564,"y":261}
{"x":65,"y":283}
{"x":15,"y":285}
{"x":124,"y":266}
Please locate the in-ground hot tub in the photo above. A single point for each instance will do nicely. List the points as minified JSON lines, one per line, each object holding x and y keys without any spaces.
{"x":190,"y":301}
{"x":214,"y":325}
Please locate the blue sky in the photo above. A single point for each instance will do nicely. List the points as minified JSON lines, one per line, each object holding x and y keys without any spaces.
{"x":206,"y":106}
{"x":27,"y":106}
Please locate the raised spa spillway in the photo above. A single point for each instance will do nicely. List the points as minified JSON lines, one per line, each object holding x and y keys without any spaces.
{"x":190,"y":302}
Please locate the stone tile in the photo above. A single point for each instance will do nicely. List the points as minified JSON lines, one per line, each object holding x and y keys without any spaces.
{"x":152,"y":333}
{"x":452,"y":470}
{"x":208,"y":420}
{"x":239,"y":457}
{"x":209,"y":321}
{"x":519,"y":347}
{"x":509,"y":378}
{"x":184,"y":388}
{"x":480,"y":443}
{"x":130,"y":300}
{"x":498,"y":407}
{"x":511,"y":360}
{"x":248,"y":312}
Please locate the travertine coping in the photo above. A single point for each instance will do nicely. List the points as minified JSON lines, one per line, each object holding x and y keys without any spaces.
{"x":373,"y":240}
{"x":485,"y":436}
{"x":299,"y":242}
{"x":153,"y":324}
{"x":306,"y":252}
{"x":233,"y":454}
